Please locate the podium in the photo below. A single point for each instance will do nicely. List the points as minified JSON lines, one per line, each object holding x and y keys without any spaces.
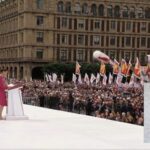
{"x":15,"y":105}
{"x":147,"y":112}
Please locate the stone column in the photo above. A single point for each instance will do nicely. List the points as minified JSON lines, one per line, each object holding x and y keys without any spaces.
{"x":13,"y":72}
{"x":27,"y":72}
{"x":18,"y":72}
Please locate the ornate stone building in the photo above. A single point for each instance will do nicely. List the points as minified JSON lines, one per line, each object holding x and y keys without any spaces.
{"x":37,"y":32}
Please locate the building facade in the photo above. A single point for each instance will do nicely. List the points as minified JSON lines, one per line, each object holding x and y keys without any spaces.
{"x":36,"y":32}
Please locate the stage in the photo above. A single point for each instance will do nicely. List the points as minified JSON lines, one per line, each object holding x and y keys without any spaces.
{"x":51,"y":129}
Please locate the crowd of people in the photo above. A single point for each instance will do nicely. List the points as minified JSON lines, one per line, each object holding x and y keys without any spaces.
{"x":120,"y":103}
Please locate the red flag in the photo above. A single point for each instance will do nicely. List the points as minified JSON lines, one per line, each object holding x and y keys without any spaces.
{"x":115,"y":67}
{"x":124,"y":67}
{"x":102,"y":69}
{"x":128,"y":68}
{"x":137,"y":69}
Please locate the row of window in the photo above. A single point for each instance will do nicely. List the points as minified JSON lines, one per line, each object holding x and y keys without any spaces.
{"x":8,"y":10}
{"x":94,"y":9}
{"x":103,"y":10}
{"x":10,"y":53}
{"x":84,"y":24}
{"x":13,"y":38}
{"x":9,"y":25}
{"x":84,"y":40}
{"x":103,"y":41}
{"x":15,"y":53}
{"x":83,"y":55}
{"x":8,"y":40}
{"x":102,"y":25}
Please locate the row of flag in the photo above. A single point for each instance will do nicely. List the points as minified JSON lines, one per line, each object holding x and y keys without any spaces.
{"x":95,"y":80}
{"x":120,"y":70}
{"x":53,"y":78}
{"x":123,"y":68}
{"x":89,"y":80}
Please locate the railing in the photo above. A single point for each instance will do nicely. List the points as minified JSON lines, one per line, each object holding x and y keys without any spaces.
{"x":31,"y":101}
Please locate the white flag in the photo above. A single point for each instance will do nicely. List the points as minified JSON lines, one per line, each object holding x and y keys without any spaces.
{"x":104,"y":80}
{"x":79,"y":79}
{"x":131,"y":83}
{"x":50,"y":78}
{"x":62,"y":79}
{"x":92,"y":78}
{"x":119,"y":79}
{"x":74,"y":78}
{"x":142,"y":81}
{"x":54,"y":75}
{"x":97,"y":78}
{"x":46,"y":77}
{"x":86,"y":79}
{"x":110,"y":78}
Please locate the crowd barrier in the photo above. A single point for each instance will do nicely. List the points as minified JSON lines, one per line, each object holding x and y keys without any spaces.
{"x":48,"y":102}
{"x":31,"y":101}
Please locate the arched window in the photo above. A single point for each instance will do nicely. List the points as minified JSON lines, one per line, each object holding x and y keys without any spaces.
{"x":101,"y":10}
{"x":94,"y":9}
{"x":68,"y":7}
{"x":140,"y":12}
{"x":147,"y":13}
{"x":132,"y":12}
{"x":60,"y":6}
{"x":39,"y":4}
{"x":125,"y":12}
{"x":77,"y":8}
{"x":85,"y":8}
{"x":109,"y":11}
{"x":117,"y":11}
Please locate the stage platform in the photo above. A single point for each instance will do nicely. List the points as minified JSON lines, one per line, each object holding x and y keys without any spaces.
{"x":51,"y":129}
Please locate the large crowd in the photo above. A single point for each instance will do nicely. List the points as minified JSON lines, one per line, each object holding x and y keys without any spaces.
{"x":120,"y":103}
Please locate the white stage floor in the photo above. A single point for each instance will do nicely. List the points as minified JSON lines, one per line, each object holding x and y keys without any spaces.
{"x":51,"y":129}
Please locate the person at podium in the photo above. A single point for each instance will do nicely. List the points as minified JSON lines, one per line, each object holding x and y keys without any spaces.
{"x":3,"y":87}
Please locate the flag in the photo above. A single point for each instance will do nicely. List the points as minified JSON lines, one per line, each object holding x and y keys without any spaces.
{"x":31,"y":79}
{"x":128,"y":68}
{"x":119,"y":79}
{"x":79,"y":79}
{"x":46,"y":77}
{"x":104,"y":80}
{"x":102,"y":69}
{"x":74,"y":78}
{"x":50,"y":78}
{"x":125,"y":86}
{"x":131,"y":83}
{"x":124,"y":68}
{"x":97,"y":78}
{"x":54,"y":77}
{"x":110,"y":78}
{"x":86,"y":79}
{"x":77,"y":71}
{"x":137,"y":69}
{"x":115,"y":67}
{"x":92,"y":78}
{"x":142,"y":81}
{"x":62,"y":79}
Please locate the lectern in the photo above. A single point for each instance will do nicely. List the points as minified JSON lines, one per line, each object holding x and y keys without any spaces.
{"x":15,"y":105}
